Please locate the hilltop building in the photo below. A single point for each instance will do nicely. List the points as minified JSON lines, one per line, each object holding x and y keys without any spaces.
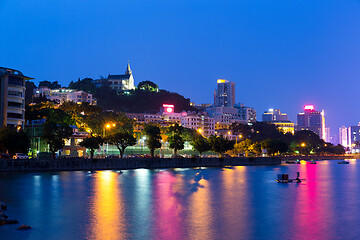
{"x":121,"y":83}
{"x":65,"y":95}
{"x":12,"y":97}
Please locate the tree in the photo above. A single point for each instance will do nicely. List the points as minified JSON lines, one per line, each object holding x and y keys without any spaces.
{"x":13,"y":141}
{"x":148,"y":86}
{"x":29,"y":92}
{"x":85,"y":84}
{"x":220,"y":145}
{"x":274,"y":146}
{"x":153,"y":135}
{"x":51,"y":85}
{"x":55,"y":134}
{"x":92,"y":143}
{"x":244,"y":146}
{"x":176,"y":142}
{"x":201,"y":144}
{"x":121,"y":140}
{"x":57,"y":129}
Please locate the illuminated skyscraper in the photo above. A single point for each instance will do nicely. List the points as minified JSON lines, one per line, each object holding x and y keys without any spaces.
{"x":344,"y":136}
{"x":224,"y":94}
{"x":312,"y":120}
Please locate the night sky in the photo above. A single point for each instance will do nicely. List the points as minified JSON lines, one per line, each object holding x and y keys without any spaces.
{"x":281,"y":53}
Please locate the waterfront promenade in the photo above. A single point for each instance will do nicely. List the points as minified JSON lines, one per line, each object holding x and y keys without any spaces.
{"x":74,"y":164}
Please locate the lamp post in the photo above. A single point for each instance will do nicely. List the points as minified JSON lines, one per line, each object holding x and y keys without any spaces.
{"x":302,"y":147}
{"x":240,"y":136}
{"x":108,"y":126}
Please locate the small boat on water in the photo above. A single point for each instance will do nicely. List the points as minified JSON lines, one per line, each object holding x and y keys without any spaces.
{"x":284,"y":178}
{"x":343,"y":162}
{"x":313,"y":162}
{"x":290,"y":162}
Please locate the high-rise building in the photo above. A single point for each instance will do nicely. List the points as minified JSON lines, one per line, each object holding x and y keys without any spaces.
{"x":12,"y":97}
{"x":312,"y":120}
{"x":354,"y":136}
{"x":120,"y":83}
{"x":224,"y":94}
{"x":274,"y":115}
{"x":343,"y":136}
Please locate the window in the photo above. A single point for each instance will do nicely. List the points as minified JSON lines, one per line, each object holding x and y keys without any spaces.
{"x":16,"y":81}
{"x":15,"y":115}
{"x":13,"y":93}
{"x":15,"y":104}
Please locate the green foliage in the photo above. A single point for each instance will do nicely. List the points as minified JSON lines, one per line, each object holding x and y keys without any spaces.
{"x":85,"y":84}
{"x":51,"y":85}
{"x":274,"y":146}
{"x":29,"y":91}
{"x":201,"y":144}
{"x":13,"y":141}
{"x":176,"y":142}
{"x":92,"y":143}
{"x":121,"y":140}
{"x":244,"y":146}
{"x":148,"y":86}
{"x":139,"y":100}
{"x":57,"y":129}
{"x":220,"y":145}
{"x":153,"y":135}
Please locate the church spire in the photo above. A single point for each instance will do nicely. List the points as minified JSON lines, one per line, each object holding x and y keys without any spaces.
{"x":128,"y":70}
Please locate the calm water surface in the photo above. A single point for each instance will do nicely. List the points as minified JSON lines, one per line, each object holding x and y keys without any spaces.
{"x":228,"y":203}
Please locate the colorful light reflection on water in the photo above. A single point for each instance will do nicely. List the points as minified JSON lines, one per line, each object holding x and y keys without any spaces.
{"x":228,"y":203}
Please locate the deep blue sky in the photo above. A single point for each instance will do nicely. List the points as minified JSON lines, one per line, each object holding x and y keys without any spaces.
{"x":281,"y":53}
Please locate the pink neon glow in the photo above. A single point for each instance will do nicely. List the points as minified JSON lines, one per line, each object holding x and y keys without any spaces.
{"x":309,"y":107}
{"x":168,"y":105}
{"x":169,"y":109}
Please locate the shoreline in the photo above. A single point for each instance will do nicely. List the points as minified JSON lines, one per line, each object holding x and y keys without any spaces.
{"x":83,"y":164}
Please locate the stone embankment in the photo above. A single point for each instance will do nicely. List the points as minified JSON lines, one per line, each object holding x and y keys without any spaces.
{"x":128,"y":163}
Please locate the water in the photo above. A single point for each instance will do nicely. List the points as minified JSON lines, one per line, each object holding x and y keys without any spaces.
{"x":228,"y":203}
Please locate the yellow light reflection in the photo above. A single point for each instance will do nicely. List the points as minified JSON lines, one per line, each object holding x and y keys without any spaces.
{"x":108,"y":215}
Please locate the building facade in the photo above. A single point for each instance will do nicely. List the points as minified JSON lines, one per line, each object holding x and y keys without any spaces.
{"x":224,"y":94}
{"x":120,"y":83}
{"x":247,"y":114}
{"x":12,"y":97}
{"x":312,"y":120}
{"x":274,"y":115}
{"x":280,"y":120}
{"x":65,"y":95}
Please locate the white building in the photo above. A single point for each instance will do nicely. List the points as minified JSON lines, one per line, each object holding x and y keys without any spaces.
{"x":65,"y":95}
{"x":200,"y":122}
{"x":224,"y":116}
{"x":120,"y":83}
{"x":12,"y":97}
{"x":343,"y":136}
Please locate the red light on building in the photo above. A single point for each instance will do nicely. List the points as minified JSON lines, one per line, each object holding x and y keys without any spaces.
{"x":169,"y":108}
{"x":309,"y":107}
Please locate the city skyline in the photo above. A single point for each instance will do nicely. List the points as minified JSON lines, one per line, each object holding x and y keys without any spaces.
{"x":276,"y":60}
